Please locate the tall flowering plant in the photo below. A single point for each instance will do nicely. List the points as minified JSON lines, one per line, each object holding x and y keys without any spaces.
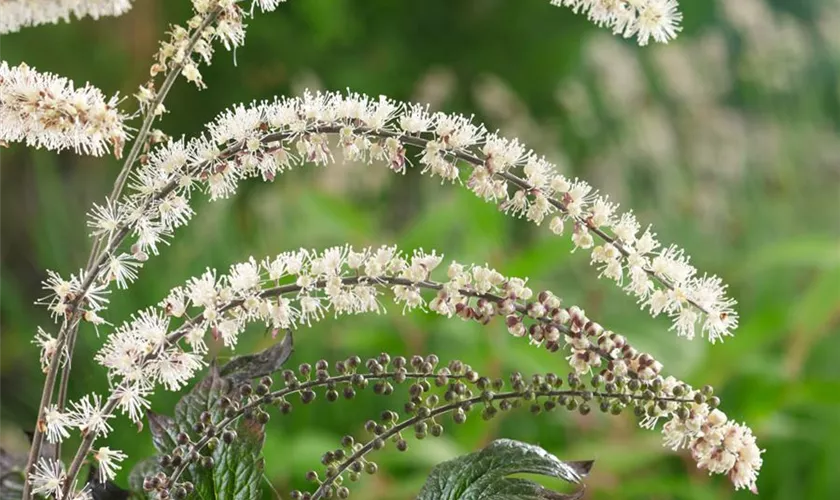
{"x":166,"y":346}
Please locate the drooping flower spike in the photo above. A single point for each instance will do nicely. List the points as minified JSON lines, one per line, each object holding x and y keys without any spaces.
{"x":47,"y":111}
{"x":17,"y":14}
{"x":294,"y":289}
{"x":265,"y":139}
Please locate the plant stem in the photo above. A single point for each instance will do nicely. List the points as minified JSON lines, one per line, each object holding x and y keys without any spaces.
{"x":67,"y":336}
{"x":281,"y":393}
{"x":84,"y":449}
{"x":368,"y":447}
{"x":46,"y":396}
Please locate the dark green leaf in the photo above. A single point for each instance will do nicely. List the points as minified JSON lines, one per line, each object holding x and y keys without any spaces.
{"x":237,"y":467}
{"x":164,"y":431}
{"x":251,"y":366}
{"x":483,"y":475}
{"x":201,"y":398}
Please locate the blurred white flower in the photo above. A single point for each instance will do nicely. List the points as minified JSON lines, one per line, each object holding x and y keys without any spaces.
{"x":17,"y":14}
{"x":47,"y":478}
{"x":47,"y":111}
{"x":108,"y":462}
{"x":645,"y":19}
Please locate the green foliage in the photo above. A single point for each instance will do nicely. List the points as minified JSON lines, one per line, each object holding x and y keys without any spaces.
{"x":484,"y":475}
{"x":772,"y":233}
{"x":237,"y":467}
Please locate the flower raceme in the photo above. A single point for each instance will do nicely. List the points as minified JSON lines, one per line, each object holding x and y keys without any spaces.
{"x":296,"y":288}
{"x":17,"y":14}
{"x":644,"y":19}
{"x":48,"y":111}
{"x":166,"y":345}
{"x":267,"y":138}
{"x":213,"y":20}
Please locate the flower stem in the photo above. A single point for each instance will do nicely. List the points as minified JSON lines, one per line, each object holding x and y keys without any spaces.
{"x":67,"y":336}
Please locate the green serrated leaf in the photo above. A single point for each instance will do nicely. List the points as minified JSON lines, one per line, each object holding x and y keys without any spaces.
{"x":483,"y":475}
{"x":141,"y":470}
{"x":237,"y":467}
{"x":202,"y":398}
{"x":265,"y":362}
{"x":163,"y":430}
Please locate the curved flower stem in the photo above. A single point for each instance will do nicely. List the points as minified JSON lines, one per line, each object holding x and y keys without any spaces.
{"x":185,"y":327}
{"x":199,"y":445}
{"x":355,"y":280}
{"x":475,"y":161}
{"x":440,"y":410}
{"x":66,"y":340}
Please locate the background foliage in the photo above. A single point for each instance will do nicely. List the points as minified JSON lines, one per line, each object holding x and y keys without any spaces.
{"x":724,"y":140}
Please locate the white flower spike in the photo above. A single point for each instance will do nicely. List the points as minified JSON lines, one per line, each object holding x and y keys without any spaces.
{"x":47,"y":111}
{"x":17,"y":14}
{"x":266,"y":138}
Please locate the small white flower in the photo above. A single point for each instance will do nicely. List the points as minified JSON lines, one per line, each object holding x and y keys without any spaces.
{"x":122,"y":268}
{"x":132,"y":400}
{"x":48,"y":478}
{"x":192,"y":74}
{"x":244,"y":277}
{"x":48,"y":344}
{"x":47,"y":111}
{"x":174,"y":367}
{"x":56,"y":424}
{"x":89,"y":416}
{"x":108,"y":462}
{"x":105,"y":219}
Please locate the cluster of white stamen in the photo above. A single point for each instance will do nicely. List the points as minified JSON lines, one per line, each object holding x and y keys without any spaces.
{"x":48,"y":478}
{"x":717,"y":444}
{"x":62,"y":293}
{"x":643,"y":19}
{"x":48,"y":111}
{"x":17,"y":14}
{"x":108,"y":461}
{"x":192,"y":45}
{"x":267,"y":138}
{"x":89,"y":416}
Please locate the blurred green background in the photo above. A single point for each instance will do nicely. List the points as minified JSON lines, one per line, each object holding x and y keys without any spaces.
{"x":725,"y":140}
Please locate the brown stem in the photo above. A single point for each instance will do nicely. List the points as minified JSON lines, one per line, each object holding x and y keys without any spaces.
{"x":46,"y":396}
{"x":93,"y":264}
{"x":84,"y":449}
{"x":199,"y":445}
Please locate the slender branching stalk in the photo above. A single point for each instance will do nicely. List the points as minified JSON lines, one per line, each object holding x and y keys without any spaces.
{"x":461,"y":388}
{"x":150,"y":199}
